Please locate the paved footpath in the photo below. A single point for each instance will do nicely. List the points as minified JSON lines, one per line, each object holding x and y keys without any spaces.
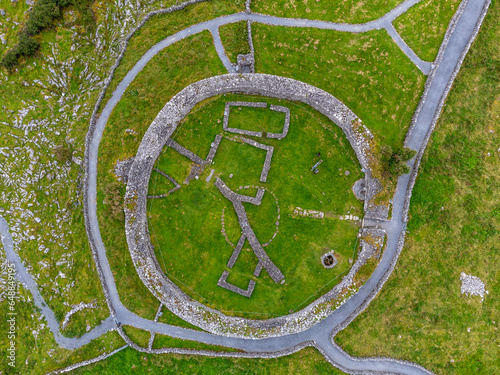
{"x":321,"y":334}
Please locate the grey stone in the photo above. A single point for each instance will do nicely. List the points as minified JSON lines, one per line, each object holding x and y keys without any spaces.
{"x":248,"y":233}
{"x":244,"y":292}
{"x":185,"y":152}
{"x":279,"y":108}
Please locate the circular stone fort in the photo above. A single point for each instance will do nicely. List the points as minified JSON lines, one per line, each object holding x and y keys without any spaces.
{"x":239,"y":204}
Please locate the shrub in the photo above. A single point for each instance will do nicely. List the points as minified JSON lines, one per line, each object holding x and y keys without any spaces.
{"x":63,"y":153}
{"x":394,"y":160}
{"x":26,"y":45}
{"x":42,"y":16}
{"x":114,"y":201}
{"x":9,"y":60}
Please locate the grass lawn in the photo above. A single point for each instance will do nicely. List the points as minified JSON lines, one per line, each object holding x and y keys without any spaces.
{"x":420,"y":314}
{"x":173,"y":69}
{"x":234,"y":36}
{"x":162,"y":341}
{"x":186,"y":227}
{"x":308,"y":361}
{"x":367,"y":72}
{"x":342,"y":11}
{"x":424,"y":25}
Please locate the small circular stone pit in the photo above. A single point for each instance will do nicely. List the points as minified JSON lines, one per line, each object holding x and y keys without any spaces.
{"x":328,"y":260}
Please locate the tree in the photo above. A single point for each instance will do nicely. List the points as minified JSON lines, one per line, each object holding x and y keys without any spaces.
{"x":394,"y":161}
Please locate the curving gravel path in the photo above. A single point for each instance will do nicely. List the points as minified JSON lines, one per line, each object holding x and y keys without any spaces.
{"x":462,"y":33}
{"x":29,"y":283}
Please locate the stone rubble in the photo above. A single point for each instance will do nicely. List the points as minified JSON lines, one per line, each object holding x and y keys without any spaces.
{"x":308,"y":213}
{"x":81,"y":306}
{"x":472,"y":286}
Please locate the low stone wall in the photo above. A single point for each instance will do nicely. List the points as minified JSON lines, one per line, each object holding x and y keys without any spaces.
{"x":286,"y":111}
{"x":248,"y":233}
{"x":87,"y":362}
{"x":227,"y":111}
{"x":213,"y":353}
{"x":243,"y":292}
{"x":185,"y":152}
{"x":213,"y":149}
{"x":81,"y":306}
{"x":269,"y":155}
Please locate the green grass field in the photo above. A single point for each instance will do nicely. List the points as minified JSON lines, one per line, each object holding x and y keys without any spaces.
{"x":420,"y":314}
{"x":367,"y":72}
{"x":161,"y":26}
{"x":305,"y":361}
{"x":186,"y":227}
{"x":342,"y":11}
{"x":234,"y":36}
{"x":424,"y":25}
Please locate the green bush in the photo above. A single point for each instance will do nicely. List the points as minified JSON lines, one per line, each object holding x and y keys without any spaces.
{"x":394,"y":160}
{"x":63,"y":153}
{"x":26,"y":45}
{"x":41,"y":16}
{"x":9,"y":60}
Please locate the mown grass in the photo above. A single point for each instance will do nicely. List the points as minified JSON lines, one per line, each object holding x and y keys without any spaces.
{"x":162,"y":341}
{"x":367,"y":72}
{"x":161,"y":26}
{"x":341,"y":11}
{"x":170,"y":318}
{"x":257,"y":119}
{"x":186,"y":227}
{"x":171,"y":70}
{"x":234,"y":36}
{"x":306,"y":361}
{"x":420,"y":314}
{"x":423,"y":26}
{"x":137,"y":335}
